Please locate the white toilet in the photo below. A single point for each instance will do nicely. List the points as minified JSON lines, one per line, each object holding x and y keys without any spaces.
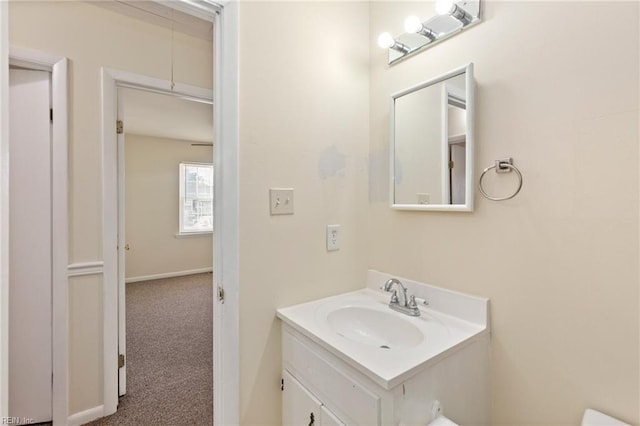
{"x":596,"y":418}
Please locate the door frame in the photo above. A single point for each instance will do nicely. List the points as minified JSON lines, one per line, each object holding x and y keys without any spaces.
{"x":225,"y":239}
{"x":4,"y":209}
{"x":58,"y":66}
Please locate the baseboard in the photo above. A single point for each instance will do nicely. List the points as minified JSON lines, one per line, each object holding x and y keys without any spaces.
{"x":167,"y":275}
{"x":86,"y":416}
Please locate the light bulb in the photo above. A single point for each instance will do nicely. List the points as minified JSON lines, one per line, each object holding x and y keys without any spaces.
{"x":385,"y":40}
{"x":412,"y":24}
{"x":444,"y":7}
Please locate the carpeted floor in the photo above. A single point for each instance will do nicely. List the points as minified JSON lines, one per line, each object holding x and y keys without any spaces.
{"x":169,"y":354}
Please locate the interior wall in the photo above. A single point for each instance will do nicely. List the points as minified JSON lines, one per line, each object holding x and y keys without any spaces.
{"x":304,"y":123}
{"x":152,"y":181}
{"x":93,"y":37}
{"x":559,"y":261}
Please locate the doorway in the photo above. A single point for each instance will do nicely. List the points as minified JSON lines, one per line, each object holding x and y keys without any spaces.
{"x":165,"y":216}
{"x":226,"y":154}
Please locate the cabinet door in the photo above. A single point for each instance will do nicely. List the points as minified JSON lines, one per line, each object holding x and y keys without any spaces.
{"x":328,"y":418}
{"x":299,"y":406}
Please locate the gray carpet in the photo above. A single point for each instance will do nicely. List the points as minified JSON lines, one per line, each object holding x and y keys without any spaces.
{"x":169,"y":353}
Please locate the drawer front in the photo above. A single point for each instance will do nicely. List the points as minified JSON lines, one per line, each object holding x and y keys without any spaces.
{"x":343,"y":395}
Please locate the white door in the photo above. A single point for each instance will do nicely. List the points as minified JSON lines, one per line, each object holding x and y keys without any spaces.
{"x":299,"y":406}
{"x":30,"y":364}
{"x":458,"y":178}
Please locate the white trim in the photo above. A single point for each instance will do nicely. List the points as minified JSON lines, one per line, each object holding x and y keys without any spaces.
{"x":60,"y":241}
{"x":85,"y":268}
{"x":445,"y":178}
{"x":470,"y":85}
{"x":32,"y":59}
{"x":129,"y":79}
{"x":86,"y":416}
{"x":226,"y":317}
{"x":4,"y":209}
{"x":180,"y":235}
{"x":109,"y":243}
{"x":122,"y":312}
{"x":189,"y":7}
{"x":167,"y":275}
{"x":58,"y":66}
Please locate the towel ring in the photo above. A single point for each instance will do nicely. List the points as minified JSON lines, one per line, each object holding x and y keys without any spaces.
{"x":501,"y":166}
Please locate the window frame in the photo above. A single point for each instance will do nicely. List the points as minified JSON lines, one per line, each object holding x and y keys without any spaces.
{"x":182,"y":166}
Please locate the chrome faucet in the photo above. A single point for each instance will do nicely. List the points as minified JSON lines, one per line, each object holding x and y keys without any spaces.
{"x":399,"y":300}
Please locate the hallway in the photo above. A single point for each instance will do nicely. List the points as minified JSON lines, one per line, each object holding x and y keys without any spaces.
{"x":169,"y":353}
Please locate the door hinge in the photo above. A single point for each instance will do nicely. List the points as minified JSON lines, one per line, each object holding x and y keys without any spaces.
{"x":220,"y":294}
{"x":51,"y":114}
{"x":119,"y":127}
{"x":282,"y":384}
{"x":451,"y":164}
{"x":120,"y":360}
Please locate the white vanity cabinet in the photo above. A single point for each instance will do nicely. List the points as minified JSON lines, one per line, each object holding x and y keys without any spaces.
{"x":313,"y":381}
{"x":351,"y":360}
{"x":317,"y":382}
{"x":301,"y":407}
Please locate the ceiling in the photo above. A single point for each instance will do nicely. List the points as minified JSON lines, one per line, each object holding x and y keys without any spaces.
{"x":162,"y":13}
{"x":165,"y":116}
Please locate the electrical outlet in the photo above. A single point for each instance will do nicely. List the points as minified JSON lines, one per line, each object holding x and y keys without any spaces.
{"x":333,"y":237}
{"x":281,"y":201}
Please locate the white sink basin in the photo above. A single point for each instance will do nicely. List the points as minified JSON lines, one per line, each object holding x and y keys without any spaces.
{"x":372,"y":327}
{"x":387,"y":346}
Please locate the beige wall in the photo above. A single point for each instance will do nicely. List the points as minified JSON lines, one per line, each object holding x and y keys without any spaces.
{"x":92,"y":37}
{"x":152,"y":182}
{"x":560,"y":261}
{"x":304,"y":123}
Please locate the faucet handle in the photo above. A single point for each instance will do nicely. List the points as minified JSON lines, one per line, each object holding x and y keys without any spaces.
{"x":394,"y":297}
{"x":412,"y":302}
{"x":420,"y":300}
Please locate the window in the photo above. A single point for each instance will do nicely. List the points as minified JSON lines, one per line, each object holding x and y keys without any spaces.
{"x":196,"y":198}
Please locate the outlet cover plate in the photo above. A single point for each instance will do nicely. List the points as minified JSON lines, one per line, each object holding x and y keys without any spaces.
{"x":333,"y":237}
{"x":281,"y":201}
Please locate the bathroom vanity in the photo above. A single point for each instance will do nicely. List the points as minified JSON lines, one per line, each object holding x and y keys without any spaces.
{"x":350,"y":359}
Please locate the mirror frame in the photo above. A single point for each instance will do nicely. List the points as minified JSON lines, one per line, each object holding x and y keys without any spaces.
{"x":470,"y":143}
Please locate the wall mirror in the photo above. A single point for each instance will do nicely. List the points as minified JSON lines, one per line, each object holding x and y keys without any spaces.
{"x":432,"y":144}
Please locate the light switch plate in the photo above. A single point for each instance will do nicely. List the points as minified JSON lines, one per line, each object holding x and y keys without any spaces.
{"x":333,"y":237}
{"x":281,"y":201}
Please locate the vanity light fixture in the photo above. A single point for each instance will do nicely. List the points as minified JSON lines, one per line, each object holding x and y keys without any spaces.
{"x":448,"y":7}
{"x":413,"y":24}
{"x":386,"y":41}
{"x":453,"y":17}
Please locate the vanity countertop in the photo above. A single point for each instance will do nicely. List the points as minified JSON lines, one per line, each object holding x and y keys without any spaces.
{"x":387,"y":346}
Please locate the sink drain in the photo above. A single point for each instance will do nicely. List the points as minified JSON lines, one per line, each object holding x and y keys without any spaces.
{"x":385,"y":347}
